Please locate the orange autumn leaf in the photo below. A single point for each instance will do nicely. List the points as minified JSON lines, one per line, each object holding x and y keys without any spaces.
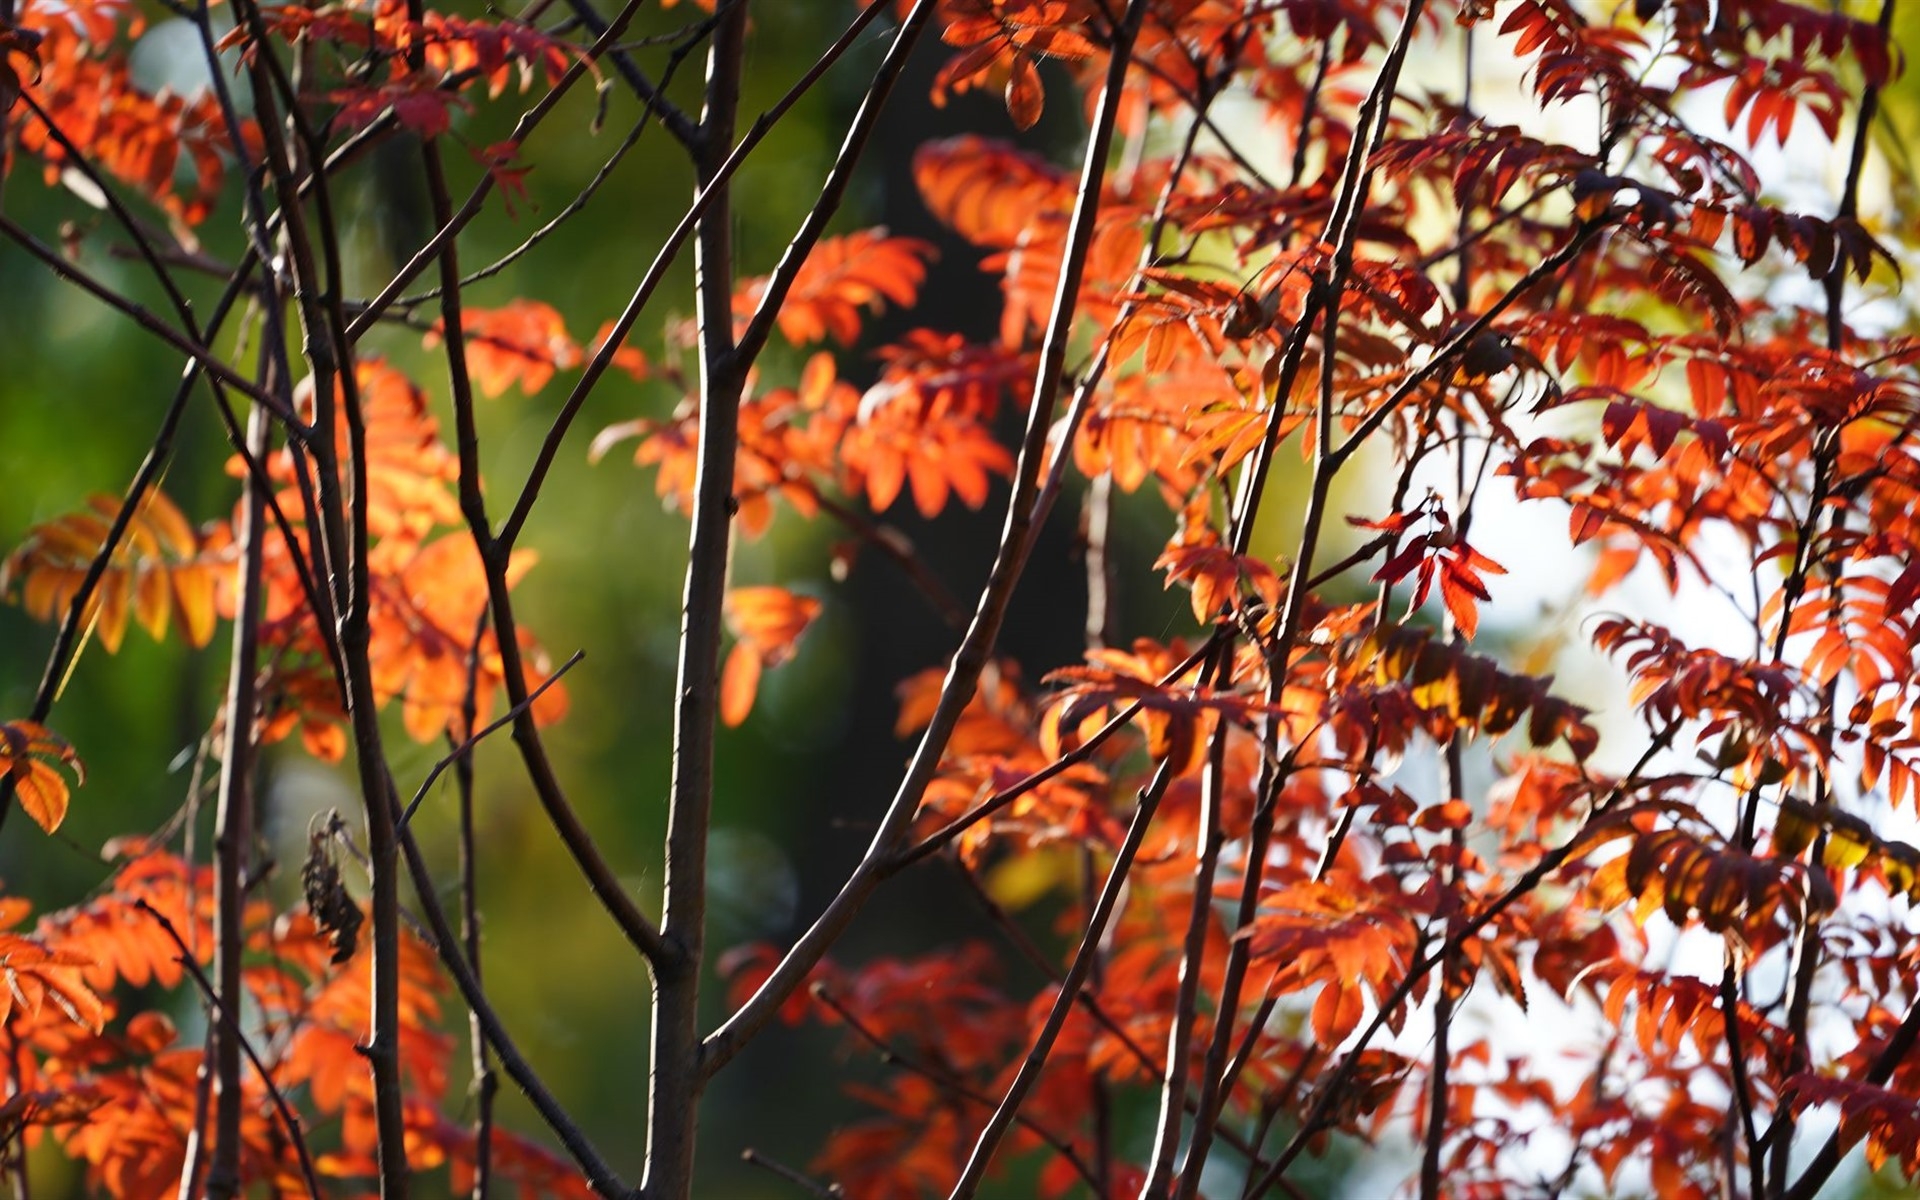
{"x":522,"y":343}
{"x":790,"y":444}
{"x":410,"y":470}
{"x":843,"y":279}
{"x":766,"y":623}
{"x":28,"y":754}
{"x":172,"y":148}
{"x":117,"y":932}
{"x":891,"y":449}
{"x":986,"y":191}
{"x":36,"y":975}
{"x":1025,"y":95}
{"x":161,"y":569}
{"x":940,"y":373}
{"x":739,"y":681}
{"x":423,"y":623}
{"x":770,"y":619}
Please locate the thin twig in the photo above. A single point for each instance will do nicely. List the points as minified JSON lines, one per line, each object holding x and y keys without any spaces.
{"x":839,"y":177}
{"x":109,"y":194}
{"x":485,"y":1084}
{"x":1808,"y":944}
{"x":193,"y":350}
{"x":145,"y":477}
{"x":459,"y":753}
{"x":450,"y":229}
{"x":1208,"y":840}
{"x":585,"y":194}
{"x":674,"y":119}
{"x":946,"y":1081}
{"x":288,"y":1118}
{"x":232,"y":829}
{"x":313,"y":250}
{"x":495,"y":564}
{"x":1088,"y":999}
{"x":806,"y":1183}
{"x":1076,"y":976}
{"x":1331,"y":1089}
{"x":656,"y":272}
{"x":600,"y":1175}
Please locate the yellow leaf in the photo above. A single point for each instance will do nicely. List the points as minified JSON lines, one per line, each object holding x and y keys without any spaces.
{"x":1022,"y":879}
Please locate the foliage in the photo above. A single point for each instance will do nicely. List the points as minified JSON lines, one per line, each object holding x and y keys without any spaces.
{"x":1341,"y":860}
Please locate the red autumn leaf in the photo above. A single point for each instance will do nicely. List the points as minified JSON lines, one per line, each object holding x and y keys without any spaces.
{"x":1219,"y":578}
{"x":416,"y":102}
{"x":502,"y":163}
{"x":1025,"y":96}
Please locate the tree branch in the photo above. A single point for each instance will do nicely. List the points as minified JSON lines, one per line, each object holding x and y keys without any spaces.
{"x":674,"y":119}
{"x":1096,"y":927}
{"x":675,"y":1080}
{"x":233,"y":824}
{"x":656,"y":272}
{"x":495,"y":562}
{"x":447,"y":944}
{"x":963,"y":674}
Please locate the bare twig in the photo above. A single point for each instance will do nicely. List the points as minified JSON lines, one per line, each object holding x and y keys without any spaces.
{"x":145,"y":477}
{"x":495,"y":562}
{"x":806,"y":1183}
{"x":674,"y":119}
{"x":190,"y":348}
{"x":949,"y":1083}
{"x":834,"y":189}
{"x":1814,"y":1176}
{"x":446,"y":943}
{"x":1208,"y":840}
{"x":450,"y":229}
{"x":1096,"y":927}
{"x":1331,"y":1088}
{"x":485,"y":1084}
{"x":656,"y":272}
{"x":460,"y":754}
{"x":313,"y":250}
{"x":1088,"y":998}
{"x":288,"y":1118}
{"x":1808,"y":946}
{"x":581,"y":198}
{"x":232,"y":823}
